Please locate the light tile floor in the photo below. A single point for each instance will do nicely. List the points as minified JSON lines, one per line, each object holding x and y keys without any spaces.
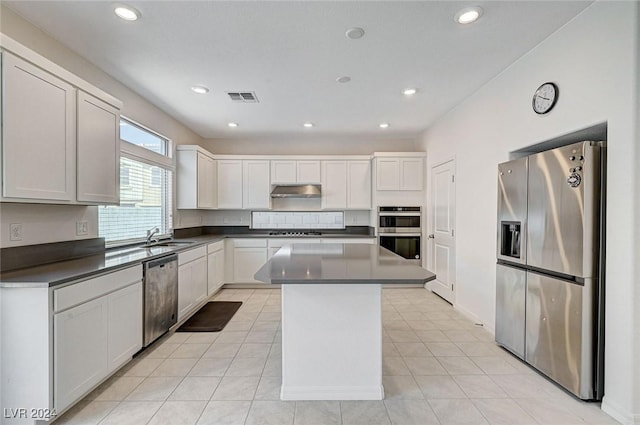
{"x":438,"y":368}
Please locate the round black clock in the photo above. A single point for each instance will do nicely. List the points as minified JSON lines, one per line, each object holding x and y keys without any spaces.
{"x":545,"y":98}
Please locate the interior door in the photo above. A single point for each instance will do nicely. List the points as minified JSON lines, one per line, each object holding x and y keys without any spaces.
{"x":443,"y":248}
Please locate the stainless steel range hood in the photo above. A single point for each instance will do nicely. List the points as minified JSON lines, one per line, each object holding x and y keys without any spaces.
{"x":296,"y":191}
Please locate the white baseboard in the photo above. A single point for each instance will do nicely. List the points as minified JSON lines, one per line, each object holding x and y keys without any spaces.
{"x":332,"y":393}
{"x":618,"y":413}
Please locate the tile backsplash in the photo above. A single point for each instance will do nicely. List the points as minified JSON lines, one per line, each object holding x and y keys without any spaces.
{"x":297,"y":220}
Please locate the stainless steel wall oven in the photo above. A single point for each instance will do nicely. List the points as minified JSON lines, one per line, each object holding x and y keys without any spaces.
{"x":400,"y":231}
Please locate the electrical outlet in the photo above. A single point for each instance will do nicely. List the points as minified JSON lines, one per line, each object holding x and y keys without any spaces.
{"x":82,"y":228}
{"x":15,"y":233}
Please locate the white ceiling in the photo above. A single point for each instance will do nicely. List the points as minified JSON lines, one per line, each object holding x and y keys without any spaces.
{"x":290,"y":54}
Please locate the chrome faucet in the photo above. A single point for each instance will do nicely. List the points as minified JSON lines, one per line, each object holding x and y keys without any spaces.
{"x":150,"y":234}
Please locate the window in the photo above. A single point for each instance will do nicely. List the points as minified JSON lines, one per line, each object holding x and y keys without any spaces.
{"x":146,"y":175}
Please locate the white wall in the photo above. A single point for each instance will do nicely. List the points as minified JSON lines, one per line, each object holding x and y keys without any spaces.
{"x":309,"y":144}
{"x":593,"y":59}
{"x":45,"y":223}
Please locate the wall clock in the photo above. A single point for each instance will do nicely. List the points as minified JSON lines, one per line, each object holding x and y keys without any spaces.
{"x":545,"y":98}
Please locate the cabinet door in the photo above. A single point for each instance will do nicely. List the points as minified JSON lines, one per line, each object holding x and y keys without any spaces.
{"x":185,"y":290}
{"x":255,"y":184}
{"x":125,"y":325}
{"x":230,"y":184}
{"x":387,"y":174}
{"x":359,"y":185}
{"x":98,"y":151}
{"x":199,"y":279}
{"x":412,"y":173}
{"x":334,"y":187}
{"x":215,"y":272}
{"x":207,"y":182}
{"x":80,"y":350}
{"x":246,"y":263}
{"x":38,"y":143}
{"x":283,"y":172}
{"x":308,"y":172}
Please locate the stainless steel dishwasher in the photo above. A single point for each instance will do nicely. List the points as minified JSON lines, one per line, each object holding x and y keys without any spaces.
{"x":160,"y":296}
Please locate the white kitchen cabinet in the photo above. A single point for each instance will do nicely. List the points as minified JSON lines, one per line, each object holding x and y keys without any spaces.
{"x":80,"y":346}
{"x":196,"y":178}
{"x":97,"y":327}
{"x":307,"y":171}
{"x":98,"y":155}
{"x":334,"y":184}
{"x":124,"y":325}
{"x":292,"y":172}
{"x":230,"y":184}
{"x":397,"y":173}
{"x":215,"y":267}
{"x":39,"y":133}
{"x":255,"y":184}
{"x":248,"y":256}
{"x":358,"y":185}
{"x":192,"y":280}
{"x":283,"y":171}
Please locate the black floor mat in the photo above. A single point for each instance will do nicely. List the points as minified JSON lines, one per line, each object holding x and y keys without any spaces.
{"x":212,"y":317}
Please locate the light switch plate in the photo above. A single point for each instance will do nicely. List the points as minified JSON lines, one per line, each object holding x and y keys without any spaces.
{"x":15,"y":232}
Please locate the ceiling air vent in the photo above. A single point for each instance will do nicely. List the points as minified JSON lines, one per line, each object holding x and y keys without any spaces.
{"x":243,"y":96}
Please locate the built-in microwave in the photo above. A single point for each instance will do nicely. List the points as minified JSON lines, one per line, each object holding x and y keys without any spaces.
{"x":400,"y":231}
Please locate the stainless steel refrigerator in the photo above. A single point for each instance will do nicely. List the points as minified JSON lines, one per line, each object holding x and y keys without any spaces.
{"x":549,"y":278}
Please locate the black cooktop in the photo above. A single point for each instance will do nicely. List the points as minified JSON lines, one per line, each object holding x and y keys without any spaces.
{"x":293,"y":233}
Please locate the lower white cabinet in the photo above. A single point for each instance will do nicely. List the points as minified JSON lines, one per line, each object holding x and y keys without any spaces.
{"x":215,"y":267}
{"x":80,"y":337}
{"x":248,"y":256}
{"x":192,"y":280}
{"x":97,"y":327}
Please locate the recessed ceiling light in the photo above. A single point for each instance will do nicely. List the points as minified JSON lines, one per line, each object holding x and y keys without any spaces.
{"x":343,"y":79}
{"x":355,"y":33}
{"x":127,"y":13}
{"x":233,"y":124}
{"x":308,"y":124}
{"x":384,"y":125}
{"x":409,"y":92}
{"x":200,"y":89}
{"x":468,"y":15}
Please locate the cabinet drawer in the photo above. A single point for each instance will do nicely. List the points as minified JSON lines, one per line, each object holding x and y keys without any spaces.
{"x":250,"y":243}
{"x":192,"y":254}
{"x":215,"y":247}
{"x":81,"y":292}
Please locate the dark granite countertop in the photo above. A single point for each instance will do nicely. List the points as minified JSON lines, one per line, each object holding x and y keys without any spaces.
{"x":356,"y":263}
{"x":60,"y":272}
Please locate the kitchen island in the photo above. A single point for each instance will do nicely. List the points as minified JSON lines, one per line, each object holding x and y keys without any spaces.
{"x":332,"y":317}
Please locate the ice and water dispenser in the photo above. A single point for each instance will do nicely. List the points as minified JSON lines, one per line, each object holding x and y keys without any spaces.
{"x":510,"y":241}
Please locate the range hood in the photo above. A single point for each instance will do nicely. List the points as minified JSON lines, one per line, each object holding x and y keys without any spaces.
{"x":296,"y":191}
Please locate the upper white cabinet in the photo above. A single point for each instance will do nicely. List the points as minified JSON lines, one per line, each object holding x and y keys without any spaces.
{"x":98,"y":151}
{"x":230,"y":184}
{"x":196,"y":179}
{"x":60,"y":135}
{"x":255,"y":184}
{"x":291,"y":172}
{"x":359,"y":185}
{"x":39,"y":136}
{"x":334,"y":184}
{"x":400,"y":173}
{"x":346,"y":184}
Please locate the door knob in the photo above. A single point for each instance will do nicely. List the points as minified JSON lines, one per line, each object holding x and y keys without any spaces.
{"x":431,"y":236}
